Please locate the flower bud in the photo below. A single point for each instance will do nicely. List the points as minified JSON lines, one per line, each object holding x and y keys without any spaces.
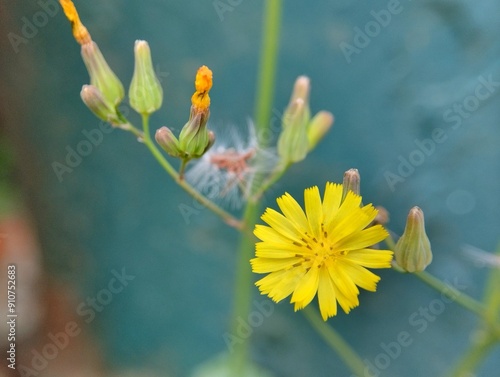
{"x":101,"y":76}
{"x":413,"y":250}
{"x":300,"y":133}
{"x":167,"y":140}
{"x":301,"y":89}
{"x":145,"y":92}
{"x":351,"y":182}
{"x":95,"y":101}
{"x":195,"y":139}
{"x":382,"y":217}
{"x":292,"y":143}
{"x":318,"y":127}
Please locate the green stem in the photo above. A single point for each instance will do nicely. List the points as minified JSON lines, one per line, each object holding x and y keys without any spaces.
{"x":243,"y":291}
{"x":271,"y":180}
{"x":335,"y":341}
{"x":267,"y":64}
{"x":227,"y":217}
{"x":459,"y":297}
{"x":492,"y":293}
{"x":264,"y":97}
{"x":473,"y":357}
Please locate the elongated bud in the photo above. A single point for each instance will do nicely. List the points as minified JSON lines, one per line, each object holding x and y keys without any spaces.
{"x":300,"y":133}
{"x":301,"y":89}
{"x":318,"y":127}
{"x":167,"y":140}
{"x":95,"y":101}
{"x":145,"y":92}
{"x":413,"y":250}
{"x":382,"y":217}
{"x":80,"y":32}
{"x":195,"y":139}
{"x":351,"y":182}
{"x":292,"y":142}
{"x":101,"y":76}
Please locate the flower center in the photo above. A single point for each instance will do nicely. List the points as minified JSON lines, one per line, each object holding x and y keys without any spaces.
{"x":320,"y":249}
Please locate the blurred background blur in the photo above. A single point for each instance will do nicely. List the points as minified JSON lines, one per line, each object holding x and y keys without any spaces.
{"x":395,"y":75}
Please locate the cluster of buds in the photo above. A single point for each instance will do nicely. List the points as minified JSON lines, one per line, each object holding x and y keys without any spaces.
{"x":105,"y":91}
{"x":413,"y":250}
{"x":301,"y":133}
{"x":194,"y":139}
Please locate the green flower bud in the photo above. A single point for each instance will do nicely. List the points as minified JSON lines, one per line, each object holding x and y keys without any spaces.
{"x":301,"y":90}
{"x":413,"y":250}
{"x":101,"y":76}
{"x":95,"y":101}
{"x":292,"y":142}
{"x":300,"y":133}
{"x":167,"y":140}
{"x":318,"y":127}
{"x":351,"y":182}
{"x":145,"y":92}
{"x":194,"y":139}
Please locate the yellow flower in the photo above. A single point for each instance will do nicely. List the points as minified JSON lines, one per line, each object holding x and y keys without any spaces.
{"x":323,"y":250}
{"x":203,"y":83}
{"x":80,"y":32}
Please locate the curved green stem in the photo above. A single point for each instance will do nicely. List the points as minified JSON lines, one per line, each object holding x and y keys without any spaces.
{"x":335,"y":341}
{"x":227,"y":217}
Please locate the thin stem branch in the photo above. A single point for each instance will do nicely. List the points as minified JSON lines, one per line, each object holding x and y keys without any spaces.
{"x":271,"y":180}
{"x":335,"y":341}
{"x":473,"y":357}
{"x":227,"y":217}
{"x":459,"y":297}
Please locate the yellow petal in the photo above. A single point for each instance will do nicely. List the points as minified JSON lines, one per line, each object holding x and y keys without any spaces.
{"x":370,"y":258}
{"x":268,"y":234}
{"x":326,"y":295}
{"x":281,"y":224}
{"x":361,"y":276}
{"x":280,"y":284}
{"x":342,"y":280}
{"x":331,"y":202}
{"x":363,"y":239}
{"x":292,"y":210}
{"x":277,"y":250}
{"x":314,"y":210}
{"x":349,"y":206}
{"x":354,"y":221}
{"x":264,"y":265}
{"x":306,"y":288}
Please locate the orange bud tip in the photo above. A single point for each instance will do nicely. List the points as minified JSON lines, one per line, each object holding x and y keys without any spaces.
{"x":80,"y":32}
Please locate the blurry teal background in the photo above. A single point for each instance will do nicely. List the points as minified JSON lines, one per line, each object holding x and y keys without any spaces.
{"x":117,"y":209}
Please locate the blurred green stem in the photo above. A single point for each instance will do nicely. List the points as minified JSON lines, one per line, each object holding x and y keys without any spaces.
{"x":146,"y":138}
{"x":454,"y":294}
{"x":267,"y":65}
{"x":335,"y":341}
{"x":485,"y":339}
{"x":264,"y":99}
